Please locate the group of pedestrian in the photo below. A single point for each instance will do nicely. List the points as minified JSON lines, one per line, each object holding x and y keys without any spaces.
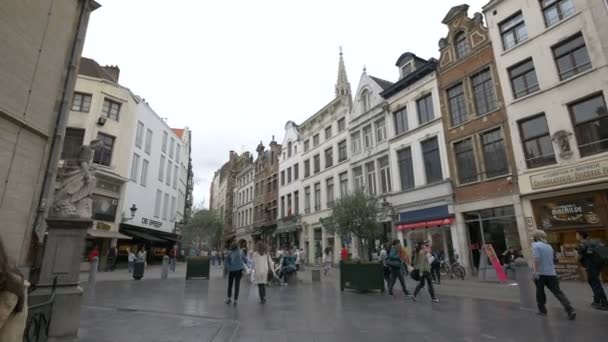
{"x":235,"y":264}
{"x":591,"y":255}
{"x":397,"y":264}
{"x":140,"y":256}
{"x":218,"y":257}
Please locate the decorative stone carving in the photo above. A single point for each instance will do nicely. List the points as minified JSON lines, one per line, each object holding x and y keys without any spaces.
{"x":478,"y":18}
{"x":74,"y":186}
{"x":442,"y":43}
{"x":562,"y":138}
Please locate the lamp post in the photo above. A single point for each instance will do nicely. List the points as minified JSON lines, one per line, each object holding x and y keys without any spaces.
{"x":133,"y":210}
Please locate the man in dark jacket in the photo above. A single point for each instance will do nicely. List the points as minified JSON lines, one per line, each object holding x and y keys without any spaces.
{"x":585,"y":254}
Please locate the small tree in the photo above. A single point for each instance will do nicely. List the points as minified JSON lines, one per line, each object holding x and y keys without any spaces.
{"x":204,"y":229}
{"x":356,"y":214}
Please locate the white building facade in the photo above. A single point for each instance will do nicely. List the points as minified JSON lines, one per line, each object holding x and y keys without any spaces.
{"x":324,"y":167}
{"x":552,"y":58}
{"x":243,"y":206}
{"x":289,"y":220}
{"x":157,"y":182}
{"x":421,"y":195}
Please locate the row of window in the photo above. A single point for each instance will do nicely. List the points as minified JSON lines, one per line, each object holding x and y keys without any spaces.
{"x":139,"y":137}
{"x":81,"y":102}
{"x":490,"y":147}
{"x":271,"y":184}
{"x":243,"y":218}
{"x":74,"y":138}
{"x":328,"y":134}
{"x":590,"y":120}
{"x":167,"y":176}
{"x":292,"y":207}
{"x":482,"y":87}
{"x":288,"y":172}
{"x":164,"y":201}
{"x":244,"y":196}
{"x":245,"y":179}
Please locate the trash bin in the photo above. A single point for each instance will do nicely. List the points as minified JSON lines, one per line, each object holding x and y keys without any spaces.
{"x":138,"y":270}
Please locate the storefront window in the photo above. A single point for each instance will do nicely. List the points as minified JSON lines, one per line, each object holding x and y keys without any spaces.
{"x":562,"y":218}
{"x":495,"y":226}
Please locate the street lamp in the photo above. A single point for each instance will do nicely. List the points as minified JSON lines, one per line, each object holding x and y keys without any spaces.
{"x":133,"y":210}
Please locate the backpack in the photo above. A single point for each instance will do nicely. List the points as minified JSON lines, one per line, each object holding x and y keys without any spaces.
{"x":598,"y":255}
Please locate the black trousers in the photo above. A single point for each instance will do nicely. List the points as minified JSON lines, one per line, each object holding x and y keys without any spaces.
{"x":396,"y":274}
{"x":552,"y":283}
{"x":262,"y":291}
{"x":234,"y":277}
{"x":435,"y":272}
{"x":425,"y":277}
{"x":593,"y":278}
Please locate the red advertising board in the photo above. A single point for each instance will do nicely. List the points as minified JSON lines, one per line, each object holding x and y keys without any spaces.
{"x":500,"y":272}
{"x":425,"y":224}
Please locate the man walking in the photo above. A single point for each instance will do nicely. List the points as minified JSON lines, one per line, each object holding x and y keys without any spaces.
{"x":173,"y":258}
{"x":593,"y":266}
{"x":545,"y":275}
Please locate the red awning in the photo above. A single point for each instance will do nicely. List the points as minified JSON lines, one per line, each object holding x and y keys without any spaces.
{"x":425,"y":224}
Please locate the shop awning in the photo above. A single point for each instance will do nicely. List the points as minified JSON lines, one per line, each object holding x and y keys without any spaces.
{"x":286,"y":229}
{"x":144,"y":236}
{"x":425,"y":224}
{"x":106,"y":234}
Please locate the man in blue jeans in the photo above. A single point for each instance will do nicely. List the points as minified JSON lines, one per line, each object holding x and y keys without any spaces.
{"x":545,"y":275}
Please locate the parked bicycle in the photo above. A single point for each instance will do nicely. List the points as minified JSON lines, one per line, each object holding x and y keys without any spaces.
{"x":453,"y":268}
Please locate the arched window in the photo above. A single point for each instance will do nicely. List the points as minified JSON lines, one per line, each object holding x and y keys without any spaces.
{"x":461,"y":44}
{"x":289,"y":149}
{"x":365,"y":97}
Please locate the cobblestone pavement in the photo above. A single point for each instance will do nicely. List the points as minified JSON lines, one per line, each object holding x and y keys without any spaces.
{"x":178,"y":310}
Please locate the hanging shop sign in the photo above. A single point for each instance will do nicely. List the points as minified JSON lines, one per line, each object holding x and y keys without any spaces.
{"x":569,"y":175}
{"x":568,"y":213}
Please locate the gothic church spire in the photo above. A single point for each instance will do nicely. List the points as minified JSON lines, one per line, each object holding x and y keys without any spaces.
{"x":342,"y":85}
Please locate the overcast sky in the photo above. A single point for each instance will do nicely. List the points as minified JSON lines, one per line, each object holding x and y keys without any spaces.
{"x":236,"y":71}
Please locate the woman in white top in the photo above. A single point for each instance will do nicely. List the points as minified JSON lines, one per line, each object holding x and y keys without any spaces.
{"x":262,"y":264}
{"x":131,"y":258}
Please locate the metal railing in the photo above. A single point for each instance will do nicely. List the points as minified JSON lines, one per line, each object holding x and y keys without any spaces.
{"x":39,"y":318}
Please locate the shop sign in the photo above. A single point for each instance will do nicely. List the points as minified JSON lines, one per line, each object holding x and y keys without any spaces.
{"x":151,"y":222}
{"x":500,"y":272}
{"x":570,"y":175}
{"x":103,"y":226}
{"x":426,"y":224}
{"x":566,"y":213}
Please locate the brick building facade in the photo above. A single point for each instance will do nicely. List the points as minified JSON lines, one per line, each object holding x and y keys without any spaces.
{"x":266,"y":191}
{"x":477,"y":136}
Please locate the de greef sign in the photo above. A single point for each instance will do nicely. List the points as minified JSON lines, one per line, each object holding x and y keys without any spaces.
{"x":569,"y":175}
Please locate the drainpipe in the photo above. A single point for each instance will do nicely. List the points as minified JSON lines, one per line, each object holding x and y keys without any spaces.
{"x":46,"y":195}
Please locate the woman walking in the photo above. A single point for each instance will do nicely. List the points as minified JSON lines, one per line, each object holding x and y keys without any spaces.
{"x":327,"y":260}
{"x":424,"y":259}
{"x":262,"y":266}
{"x":395,"y":260}
{"x":234,"y":265}
{"x":131,"y":259}
{"x":13,"y":301}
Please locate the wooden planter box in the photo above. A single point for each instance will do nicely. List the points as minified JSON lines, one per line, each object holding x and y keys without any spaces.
{"x":197,"y":267}
{"x":361,"y":276}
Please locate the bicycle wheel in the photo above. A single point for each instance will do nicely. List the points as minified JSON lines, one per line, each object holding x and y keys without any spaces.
{"x":449,"y":272}
{"x":460,"y":272}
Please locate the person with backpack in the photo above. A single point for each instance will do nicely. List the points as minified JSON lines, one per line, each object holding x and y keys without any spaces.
{"x":395,"y":261}
{"x":436,"y":267}
{"x":591,"y":259}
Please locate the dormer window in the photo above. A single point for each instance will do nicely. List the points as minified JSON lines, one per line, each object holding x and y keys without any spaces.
{"x":461,"y":45}
{"x":365,"y":100}
{"x":289,"y":149}
{"x":406,"y":69}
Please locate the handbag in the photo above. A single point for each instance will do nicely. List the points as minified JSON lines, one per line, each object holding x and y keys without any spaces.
{"x":415,"y":274}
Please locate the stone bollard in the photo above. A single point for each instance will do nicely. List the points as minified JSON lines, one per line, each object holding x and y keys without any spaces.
{"x":165,"y":271}
{"x":93,"y":271}
{"x":525,"y":282}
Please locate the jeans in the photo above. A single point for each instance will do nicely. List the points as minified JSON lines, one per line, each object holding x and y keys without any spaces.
{"x":396,"y":274}
{"x":425,"y":277}
{"x":593,"y":278}
{"x":234,"y":277}
{"x":130,"y":266}
{"x":552,"y":283}
{"x":172,"y":264}
{"x":262,"y":291}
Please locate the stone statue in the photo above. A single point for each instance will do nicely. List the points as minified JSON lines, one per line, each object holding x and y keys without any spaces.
{"x":75,"y":183}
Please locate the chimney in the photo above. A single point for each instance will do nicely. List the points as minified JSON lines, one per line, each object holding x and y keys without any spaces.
{"x":113,"y":71}
{"x":232,"y":155}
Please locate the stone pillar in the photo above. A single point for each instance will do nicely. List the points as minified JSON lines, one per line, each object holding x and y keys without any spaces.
{"x":62,"y":255}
